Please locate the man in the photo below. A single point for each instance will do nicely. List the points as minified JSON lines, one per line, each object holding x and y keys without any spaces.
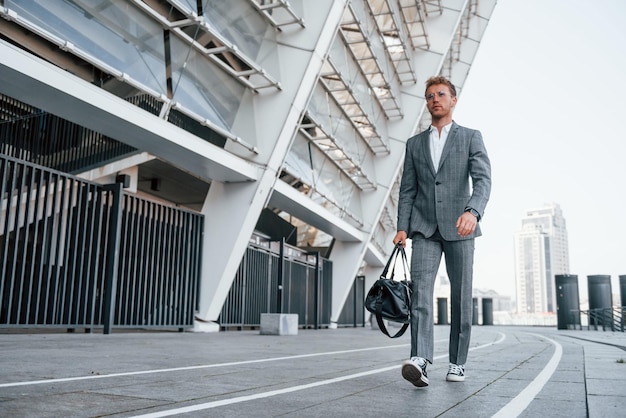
{"x":440,"y":212}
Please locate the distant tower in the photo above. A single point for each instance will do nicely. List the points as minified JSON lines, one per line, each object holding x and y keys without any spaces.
{"x":541,"y":251}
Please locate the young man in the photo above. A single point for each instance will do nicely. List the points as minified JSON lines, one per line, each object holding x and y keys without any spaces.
{"x":439,"y":212}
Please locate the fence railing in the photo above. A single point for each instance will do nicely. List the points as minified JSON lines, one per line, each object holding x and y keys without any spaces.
{"x":78,"y":254}
{"x":277,"y":278}
{"x":606,"y":319}
{"x":353,"y":312}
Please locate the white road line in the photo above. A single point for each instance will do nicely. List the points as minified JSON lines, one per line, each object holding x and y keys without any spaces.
{"x":239,"y":399}
{"x":203,"y":366}
{"x":518,"y":404}
{"x":215,"y":404}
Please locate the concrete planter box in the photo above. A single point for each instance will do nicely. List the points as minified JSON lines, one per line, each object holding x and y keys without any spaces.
{"x":279,"y":324}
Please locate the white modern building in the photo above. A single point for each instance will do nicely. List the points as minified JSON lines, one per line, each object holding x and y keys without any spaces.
{"x":235,"y":108}
{"x":541,"y":252}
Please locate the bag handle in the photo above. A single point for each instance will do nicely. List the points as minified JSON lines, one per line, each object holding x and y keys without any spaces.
{"x":398,"y":251}
{"x":405,"y":266}
{"x":392,"y":257}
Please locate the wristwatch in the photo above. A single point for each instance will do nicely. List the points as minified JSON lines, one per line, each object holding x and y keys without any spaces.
{"x":473,"y":212}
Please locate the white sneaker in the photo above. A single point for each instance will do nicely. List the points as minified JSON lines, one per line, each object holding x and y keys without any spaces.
{"x":456,"y":373}
{"x":414,"y":370}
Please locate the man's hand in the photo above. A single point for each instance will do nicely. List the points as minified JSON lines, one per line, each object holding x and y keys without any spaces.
{"x":400,"y":238}
{"x":466,"y":224}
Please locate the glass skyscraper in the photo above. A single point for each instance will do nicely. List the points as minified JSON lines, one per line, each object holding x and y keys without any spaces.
{"x":541,"y":252}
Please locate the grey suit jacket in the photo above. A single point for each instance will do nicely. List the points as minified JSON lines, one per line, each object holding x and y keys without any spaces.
{"x":432,"y":199}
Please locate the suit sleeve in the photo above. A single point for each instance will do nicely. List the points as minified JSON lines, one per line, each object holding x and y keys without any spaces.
{"x":480,"y":173}
{"x":408,"y":190}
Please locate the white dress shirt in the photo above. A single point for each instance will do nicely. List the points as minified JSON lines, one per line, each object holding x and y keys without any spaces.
{"x":437,"y":143}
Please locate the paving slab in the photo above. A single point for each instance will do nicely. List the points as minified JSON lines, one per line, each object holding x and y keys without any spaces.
{"x":342,"y":372}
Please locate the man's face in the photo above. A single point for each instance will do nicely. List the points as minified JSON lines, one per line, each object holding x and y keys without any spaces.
{"x":439,"y":101}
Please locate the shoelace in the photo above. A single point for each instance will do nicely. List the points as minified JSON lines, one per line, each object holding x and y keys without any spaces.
{"x":421,"y":363}
{"x":418,"y":360}
{"x":456,"y":369}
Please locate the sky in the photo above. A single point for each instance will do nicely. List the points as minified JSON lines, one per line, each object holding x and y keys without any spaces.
{"x":547,"y":90}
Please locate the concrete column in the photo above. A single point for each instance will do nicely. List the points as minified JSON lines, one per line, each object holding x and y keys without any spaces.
{"x":268,"y":121}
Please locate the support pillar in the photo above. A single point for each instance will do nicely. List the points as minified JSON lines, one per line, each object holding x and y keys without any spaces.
{"x":487,"y":311}
{"x":567,"y":301}
{"x":442,"y":311}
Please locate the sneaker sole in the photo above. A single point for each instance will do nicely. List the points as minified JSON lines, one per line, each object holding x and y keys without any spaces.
{"x":455,"y":378}
{"x":414,"y":375}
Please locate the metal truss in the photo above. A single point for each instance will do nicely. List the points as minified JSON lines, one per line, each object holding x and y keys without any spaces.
{"x":386,"y":219}
{"x":432,"y":6}
{"x":414,"y":17}
{"x":300,"y":184}
{"x":386,"y":222}
{"x":454,"y":53}
{"x":360,"y":46}
{"x":327,"y":143}
{"x":210,"y":43}
{"x":325,"y":200}
{"x":315,"y":195}
{"x":340,"y":89}
{"x":278,"y":12}
{"x":392,"y":33}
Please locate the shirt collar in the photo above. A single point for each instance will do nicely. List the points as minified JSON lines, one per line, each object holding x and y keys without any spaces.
{"x":445,"y":129}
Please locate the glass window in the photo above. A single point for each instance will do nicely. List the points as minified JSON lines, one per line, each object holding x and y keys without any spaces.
{"x":325,"y":111}
{"x":200,"y":86}
{"x":332,"y":189}
{"x":112,"y":31}
{"x":241,"y":25}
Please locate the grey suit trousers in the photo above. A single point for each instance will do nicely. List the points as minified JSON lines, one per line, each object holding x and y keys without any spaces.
{"x":425,"y":260}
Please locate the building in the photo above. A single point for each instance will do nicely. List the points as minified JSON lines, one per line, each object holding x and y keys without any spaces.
{"x":263,"y":121}
{"x":541,"y":252}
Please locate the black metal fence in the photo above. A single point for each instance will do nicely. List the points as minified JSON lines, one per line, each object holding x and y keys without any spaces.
{"x":159,"y":265}
{"x":353,"y":312}
{"x":606,"y":319}
{"x":276,"y":278}
{"x":78,"y":254}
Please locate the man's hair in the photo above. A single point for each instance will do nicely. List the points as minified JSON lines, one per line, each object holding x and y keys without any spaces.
{"x":439,"y":79}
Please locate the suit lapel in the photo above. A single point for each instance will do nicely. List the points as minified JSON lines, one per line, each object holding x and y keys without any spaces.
{"x":426,"y":151}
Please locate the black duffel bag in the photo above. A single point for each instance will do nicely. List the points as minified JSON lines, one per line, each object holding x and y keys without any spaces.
{"x":391,"y":299}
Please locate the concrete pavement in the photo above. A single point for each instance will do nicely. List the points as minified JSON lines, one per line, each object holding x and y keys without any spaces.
{"x":346,"y":372}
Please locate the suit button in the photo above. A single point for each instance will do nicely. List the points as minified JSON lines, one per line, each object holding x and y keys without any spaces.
{"x":437,"y":183}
